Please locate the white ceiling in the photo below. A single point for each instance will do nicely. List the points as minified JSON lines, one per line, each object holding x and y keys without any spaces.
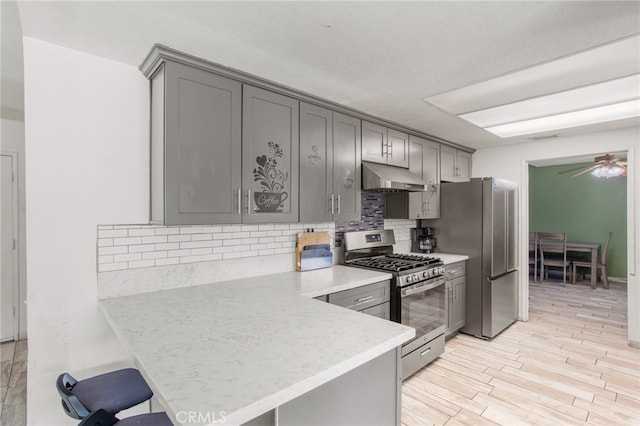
{"x":381,"y":58}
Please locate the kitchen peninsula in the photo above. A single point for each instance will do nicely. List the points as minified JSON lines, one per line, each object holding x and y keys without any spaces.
{"x":260,"y":351}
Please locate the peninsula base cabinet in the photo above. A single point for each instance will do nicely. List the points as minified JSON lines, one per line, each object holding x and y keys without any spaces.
{"x":367,"y":395}
{"x":455,"y":288}
{"x":372,"y":299}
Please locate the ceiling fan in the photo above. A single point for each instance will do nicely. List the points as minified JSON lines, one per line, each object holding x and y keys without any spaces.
{"x":604,"y":166}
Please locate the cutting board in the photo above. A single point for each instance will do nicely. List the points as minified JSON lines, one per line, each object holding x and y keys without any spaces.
{"x":311,"y":239}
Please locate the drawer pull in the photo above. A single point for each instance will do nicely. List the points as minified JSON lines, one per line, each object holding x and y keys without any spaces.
{"x":364,"y":299}
{"x":426,"y":351}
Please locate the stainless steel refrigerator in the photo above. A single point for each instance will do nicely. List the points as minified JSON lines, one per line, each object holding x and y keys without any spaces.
{"x":479,"y":219}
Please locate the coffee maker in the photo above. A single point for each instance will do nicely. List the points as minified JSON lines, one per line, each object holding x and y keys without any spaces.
{"x":422,"y":240}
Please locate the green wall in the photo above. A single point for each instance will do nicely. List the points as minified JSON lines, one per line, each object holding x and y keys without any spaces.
{"x":585,"y":207}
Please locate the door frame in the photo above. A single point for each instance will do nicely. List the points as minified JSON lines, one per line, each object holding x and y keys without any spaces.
{"x":523,"y":302}
{"x":15,"y":259}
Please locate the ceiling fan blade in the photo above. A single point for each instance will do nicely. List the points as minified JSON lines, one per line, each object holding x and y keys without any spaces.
{"x":574,"y":169}
{"x":597,"y":166}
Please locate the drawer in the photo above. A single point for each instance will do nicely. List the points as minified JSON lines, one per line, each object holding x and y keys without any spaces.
{"x":455,"y":270}
{"x":362,"y":297}
{"x":422,"y":356}
{"x":381,"y":311}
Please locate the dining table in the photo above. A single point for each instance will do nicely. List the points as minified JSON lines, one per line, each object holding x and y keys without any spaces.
{"x":582,"y":247}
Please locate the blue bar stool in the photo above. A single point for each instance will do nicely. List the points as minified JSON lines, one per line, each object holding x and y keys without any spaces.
{"x":102,"y":418}
{"x":112,"y":392}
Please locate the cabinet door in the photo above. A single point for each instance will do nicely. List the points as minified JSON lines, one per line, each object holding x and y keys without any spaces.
{"x":346,"y":168}
{"x":448,"y":166}
{"x":431,"y":162}
{"x":202,"y":145}
{"x":431,"y":199}
{"x":464,"y":166}
{"x":316,"y":171}
{"x":458,"y":303}
{"x":270,"y":159}
{"x":417,"y":148}
{"x":374,"y":142}
{"x":397,"y":148}
{"x":448,"y":307}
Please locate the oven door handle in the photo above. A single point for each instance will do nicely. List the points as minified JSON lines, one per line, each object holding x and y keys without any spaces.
{"x":422,"y":288}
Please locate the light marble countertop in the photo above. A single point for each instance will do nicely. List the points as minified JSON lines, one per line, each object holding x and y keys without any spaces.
{"x":245,"y":347}
{"x":449,"y":258}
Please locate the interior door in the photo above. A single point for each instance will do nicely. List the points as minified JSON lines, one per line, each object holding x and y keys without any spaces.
{"x":8,"y":284}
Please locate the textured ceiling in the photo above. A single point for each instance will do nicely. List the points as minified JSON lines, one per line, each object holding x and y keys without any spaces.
{"x":381,"y":58}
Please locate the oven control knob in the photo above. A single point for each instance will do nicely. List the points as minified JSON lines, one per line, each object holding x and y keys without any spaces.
{"x":409,"y":279}
{"x":425,"y":274}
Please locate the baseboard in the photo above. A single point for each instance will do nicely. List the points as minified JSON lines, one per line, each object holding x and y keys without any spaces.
{"x":617,"y":280}
{"x":634,"y":344}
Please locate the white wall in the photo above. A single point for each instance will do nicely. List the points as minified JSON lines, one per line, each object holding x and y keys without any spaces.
{"x":511,"y":162}
{"x":12,"y":132}
{"x":87,"y":164}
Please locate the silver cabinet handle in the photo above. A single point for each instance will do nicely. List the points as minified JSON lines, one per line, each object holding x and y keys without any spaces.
{"x":248,"y":201}
{"x":390,"y":149}
{"x":364,"y":299}
{"x":339,"y":203}
{"x":385,"y":149}
{"x":332,"y":204}
{"x":426,"y":351}
{"x":239,"y":201}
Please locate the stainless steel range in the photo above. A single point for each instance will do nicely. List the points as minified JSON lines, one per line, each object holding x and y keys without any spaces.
{"x":417,"y":294}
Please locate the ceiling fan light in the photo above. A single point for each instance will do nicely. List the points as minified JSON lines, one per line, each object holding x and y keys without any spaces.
{"x":608,"y":171}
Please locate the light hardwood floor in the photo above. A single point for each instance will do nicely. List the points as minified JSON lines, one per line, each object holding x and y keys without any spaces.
{"x":568,"y":365}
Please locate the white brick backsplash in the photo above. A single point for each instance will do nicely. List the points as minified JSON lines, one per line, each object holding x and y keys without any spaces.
{"x":154,"y":255}
{"x":127,"y":257}
{"x":167,"y":231}
{"x":127,"y":241}
{"x":154,"y":239}
{"x":168,"y":246}
{"x":113,"y":250}
{"x":142,"y":264}
{"x":178,"y":238}
{"x":142,"y":232}
{"x":168,"y":261}
{"x":105,"y":242}
{"x":179,"y":253}
{"x":113,"y":233}
{"x":140,"y":246}
{"x":191,"y":230}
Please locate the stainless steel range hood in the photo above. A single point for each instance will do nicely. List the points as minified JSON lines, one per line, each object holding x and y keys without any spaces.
{"x":383,"y":178}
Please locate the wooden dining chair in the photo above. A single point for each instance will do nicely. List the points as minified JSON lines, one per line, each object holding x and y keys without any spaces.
{"x":533,"y":253}
{"x":601,"y":265}
{"x":553,"y":253}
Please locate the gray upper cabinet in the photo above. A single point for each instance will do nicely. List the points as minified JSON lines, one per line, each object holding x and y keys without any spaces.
{"x":424,"y":161}
{"x":270,"y":142}
{"x":329,"y":165}
{"x":383,"y":145}
{"x":455,"y":165}
{"x":195,"y":146}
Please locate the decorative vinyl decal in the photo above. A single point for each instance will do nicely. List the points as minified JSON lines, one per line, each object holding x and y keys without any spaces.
{"x":272,"y":180}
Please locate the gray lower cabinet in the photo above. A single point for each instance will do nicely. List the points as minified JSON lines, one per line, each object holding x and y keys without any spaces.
{"x":329,"y":165}
{"x":372,"y":299}
{"x":455,"y":288}
{"x":270,"y":143}
{"x":383,"y":145}
{"x":195,"y":146}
